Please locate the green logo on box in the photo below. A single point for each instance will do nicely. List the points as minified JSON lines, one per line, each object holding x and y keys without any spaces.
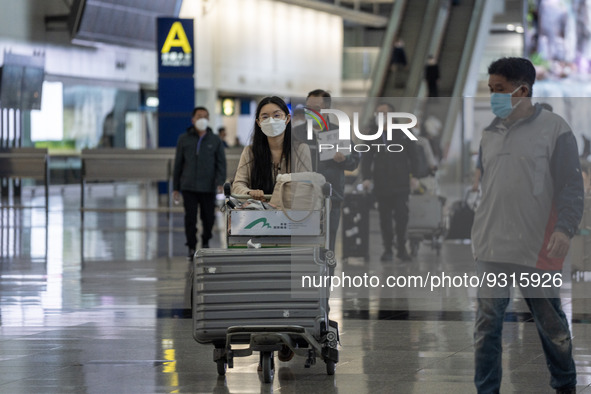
{"x":263,"y":221}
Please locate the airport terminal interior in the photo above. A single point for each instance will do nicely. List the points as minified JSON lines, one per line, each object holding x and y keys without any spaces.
{"x":99,"y":307}
{"x":96,"y":290}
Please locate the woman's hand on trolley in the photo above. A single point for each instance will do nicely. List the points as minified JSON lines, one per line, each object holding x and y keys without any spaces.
{"x":257,"y":195}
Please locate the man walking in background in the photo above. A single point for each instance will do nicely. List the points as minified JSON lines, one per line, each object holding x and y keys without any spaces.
{"x":199,"y":171}
{"x":333,"y":168}
{"x":390,"y":175}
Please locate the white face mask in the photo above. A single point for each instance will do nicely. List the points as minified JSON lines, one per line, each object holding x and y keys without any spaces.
{"x":273,"y":127}
{"x":201,"y":124}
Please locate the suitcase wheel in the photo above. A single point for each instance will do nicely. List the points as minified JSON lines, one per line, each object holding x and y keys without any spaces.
{"x":330,"y":367}
{"x":267,"y":366}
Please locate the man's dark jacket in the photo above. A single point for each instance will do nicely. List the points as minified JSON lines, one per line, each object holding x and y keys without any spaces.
{"x":199,"y":171}
{"x":390,"y":171}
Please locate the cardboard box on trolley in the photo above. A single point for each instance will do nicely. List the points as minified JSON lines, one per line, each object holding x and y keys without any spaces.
{"x":275,"y":228}
{"x":275,"y":223}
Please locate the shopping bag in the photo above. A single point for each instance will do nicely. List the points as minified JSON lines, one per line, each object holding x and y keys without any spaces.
{"x":298,"y":191}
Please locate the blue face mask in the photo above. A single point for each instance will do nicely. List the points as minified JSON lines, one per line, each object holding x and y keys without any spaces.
{"x":501,"y":103}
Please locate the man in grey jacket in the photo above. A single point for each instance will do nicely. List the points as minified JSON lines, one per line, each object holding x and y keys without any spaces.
{"x":532,"y":203}
{"x":199,"y":171}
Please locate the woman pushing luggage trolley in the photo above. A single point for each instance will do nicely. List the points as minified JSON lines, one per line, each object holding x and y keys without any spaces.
{"x":254,"y":295}
{"x":251,"y":293}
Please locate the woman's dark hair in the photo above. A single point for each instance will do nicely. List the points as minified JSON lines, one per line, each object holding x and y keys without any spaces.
{"x":261,"y":176}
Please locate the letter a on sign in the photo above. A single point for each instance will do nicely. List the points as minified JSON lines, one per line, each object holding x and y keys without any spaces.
{"x":176,"y":38}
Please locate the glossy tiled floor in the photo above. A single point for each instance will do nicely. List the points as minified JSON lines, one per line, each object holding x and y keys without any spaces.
{"x":102,"y":309}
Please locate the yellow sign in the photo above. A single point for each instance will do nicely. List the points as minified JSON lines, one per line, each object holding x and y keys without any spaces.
{"x":176,"y":38}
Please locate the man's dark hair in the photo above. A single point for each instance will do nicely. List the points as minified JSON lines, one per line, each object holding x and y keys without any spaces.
{"x":321,"y":93}
{"x":517,"y":71}
{"x":197,"y":109}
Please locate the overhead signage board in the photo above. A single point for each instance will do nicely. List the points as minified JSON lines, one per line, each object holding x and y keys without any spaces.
{"x":175,"y":46}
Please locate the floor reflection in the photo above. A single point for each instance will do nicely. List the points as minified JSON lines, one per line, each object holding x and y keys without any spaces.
{"x":100,"y":306}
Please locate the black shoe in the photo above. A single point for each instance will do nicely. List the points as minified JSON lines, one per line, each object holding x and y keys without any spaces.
{"x":191,"y":254}
{"x":404,"y":256}
{"x":387,"y":256}
{"x":566,"y":390}
{"x":205,"y":246}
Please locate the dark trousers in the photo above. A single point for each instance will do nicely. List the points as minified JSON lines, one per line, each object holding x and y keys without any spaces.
{"x":433,"y":89}
{"x":206,"y":203}
{"x":546,"y":309}
{"x":393,"y":206}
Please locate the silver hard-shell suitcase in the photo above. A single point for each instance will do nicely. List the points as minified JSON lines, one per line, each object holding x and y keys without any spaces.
{"x":237,"y":287}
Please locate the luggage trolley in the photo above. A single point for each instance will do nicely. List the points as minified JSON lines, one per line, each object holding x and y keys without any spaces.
{"x":426,"y":219}
{"x":247,"y":298}
{"x":425,"y":222}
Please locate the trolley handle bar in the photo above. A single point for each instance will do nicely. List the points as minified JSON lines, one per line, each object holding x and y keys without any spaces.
{"x":247,"y":196}
{"x":228,"y":193}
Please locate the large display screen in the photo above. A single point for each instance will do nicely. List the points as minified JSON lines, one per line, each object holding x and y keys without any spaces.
{"x":558,"y":37}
